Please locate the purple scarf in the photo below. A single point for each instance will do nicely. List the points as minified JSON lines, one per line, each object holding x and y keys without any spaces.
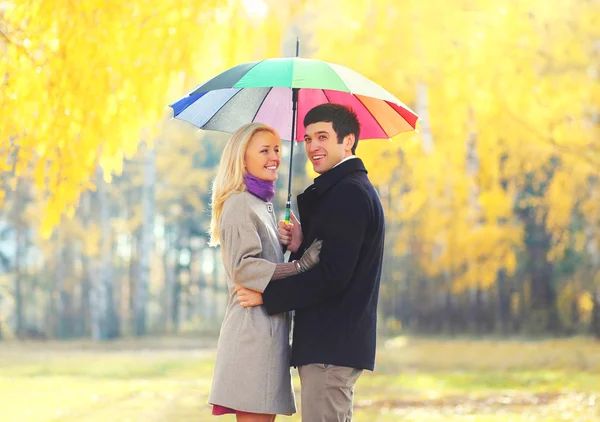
{"x":260,"y":188}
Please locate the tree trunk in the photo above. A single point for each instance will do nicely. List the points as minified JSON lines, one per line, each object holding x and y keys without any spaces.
{"x":98,"y":291}
{"x":146,"y":243}
{"x":169,"y":277}
{"x":108,"y":274}
{"x":422,"y":109}
{"x":97,"y":306}
{"x":84,"y":299}
{"x":106,"y":320}
{"x":544,"y":313}
{"x":58,"y":296}
{"x":503,"y":309}
{"x":18,"y":208}
{"x":595,"y":323}
{"x":521,"y":313}
{"x":133,"y":274}
{"x":18,"y":289}
{"x":181,"y":241}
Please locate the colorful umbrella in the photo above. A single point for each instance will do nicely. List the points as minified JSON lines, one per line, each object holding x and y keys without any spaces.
{"x":279,"y":92}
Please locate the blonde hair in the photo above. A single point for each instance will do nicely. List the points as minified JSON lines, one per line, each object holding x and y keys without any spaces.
{"x":231,"y":172}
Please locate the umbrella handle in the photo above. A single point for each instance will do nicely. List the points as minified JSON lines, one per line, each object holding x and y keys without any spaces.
{"x":288,"y":206}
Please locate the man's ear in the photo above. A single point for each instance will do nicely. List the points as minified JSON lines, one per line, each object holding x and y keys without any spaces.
{"x":349,"y":141}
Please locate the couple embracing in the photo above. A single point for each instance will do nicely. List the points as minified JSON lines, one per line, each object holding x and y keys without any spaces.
{"x":331,"y":281}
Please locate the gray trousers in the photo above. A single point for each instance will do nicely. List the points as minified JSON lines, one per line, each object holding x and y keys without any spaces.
{"x":327,"y":392}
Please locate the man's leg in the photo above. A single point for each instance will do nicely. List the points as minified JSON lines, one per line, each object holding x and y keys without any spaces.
{"x":327,"y":392}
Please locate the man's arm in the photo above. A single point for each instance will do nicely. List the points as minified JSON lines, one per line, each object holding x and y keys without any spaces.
{"x":343,"y":231}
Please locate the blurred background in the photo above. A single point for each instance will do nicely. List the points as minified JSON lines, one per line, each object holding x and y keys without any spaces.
{"x":111,"y":299}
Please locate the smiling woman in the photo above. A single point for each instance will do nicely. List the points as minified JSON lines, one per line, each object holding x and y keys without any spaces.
{"x":263,"y":156}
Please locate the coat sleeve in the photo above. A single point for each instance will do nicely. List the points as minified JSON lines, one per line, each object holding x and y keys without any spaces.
{"x":242,"y":248}
{"x":343,"y":231}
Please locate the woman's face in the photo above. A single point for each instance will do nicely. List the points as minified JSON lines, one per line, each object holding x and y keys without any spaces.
{"x":263,"y":156}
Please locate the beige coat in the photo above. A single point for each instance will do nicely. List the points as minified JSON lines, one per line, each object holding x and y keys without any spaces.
{"x":252,"y":370}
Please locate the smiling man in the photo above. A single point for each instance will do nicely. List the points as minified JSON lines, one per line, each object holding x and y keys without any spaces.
{"x":336,"y":301}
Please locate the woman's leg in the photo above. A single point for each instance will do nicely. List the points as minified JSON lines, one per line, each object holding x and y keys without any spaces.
{"x":254,"y":417}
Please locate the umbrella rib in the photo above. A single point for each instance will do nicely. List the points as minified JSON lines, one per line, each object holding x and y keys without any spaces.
{"x":366,"y":108}
{"x":195,"y":90}
{"x":372,"y":115}
{"x":261,"y":103}
{"x":223,"y":105}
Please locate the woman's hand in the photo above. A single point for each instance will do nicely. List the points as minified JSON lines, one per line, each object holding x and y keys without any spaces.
{"x":248,"y":298}
{"x":290,"y":235}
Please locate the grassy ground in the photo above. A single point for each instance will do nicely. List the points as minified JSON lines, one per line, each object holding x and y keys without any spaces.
{"x":415,"y":380}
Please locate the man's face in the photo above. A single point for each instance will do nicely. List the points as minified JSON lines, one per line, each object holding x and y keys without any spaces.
{"x":322,"y":147}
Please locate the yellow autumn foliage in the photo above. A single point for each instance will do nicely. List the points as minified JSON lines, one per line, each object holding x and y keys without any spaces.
{"x":85,"y":81}
{"x":503,"y":87}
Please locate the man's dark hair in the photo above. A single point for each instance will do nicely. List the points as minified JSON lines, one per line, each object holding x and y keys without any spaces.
{"x":342,"y":118}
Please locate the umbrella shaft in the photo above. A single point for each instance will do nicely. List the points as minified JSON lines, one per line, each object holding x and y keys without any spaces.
{"x":288,"y":204}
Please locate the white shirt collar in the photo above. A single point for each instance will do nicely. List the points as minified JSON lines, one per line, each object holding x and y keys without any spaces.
{"x":345,"y":159}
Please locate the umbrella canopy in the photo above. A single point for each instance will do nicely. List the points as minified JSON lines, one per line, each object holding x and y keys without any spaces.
{"x":261,"y":91}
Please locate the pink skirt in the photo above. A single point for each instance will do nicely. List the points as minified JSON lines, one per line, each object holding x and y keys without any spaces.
{"x":218,"y":410}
